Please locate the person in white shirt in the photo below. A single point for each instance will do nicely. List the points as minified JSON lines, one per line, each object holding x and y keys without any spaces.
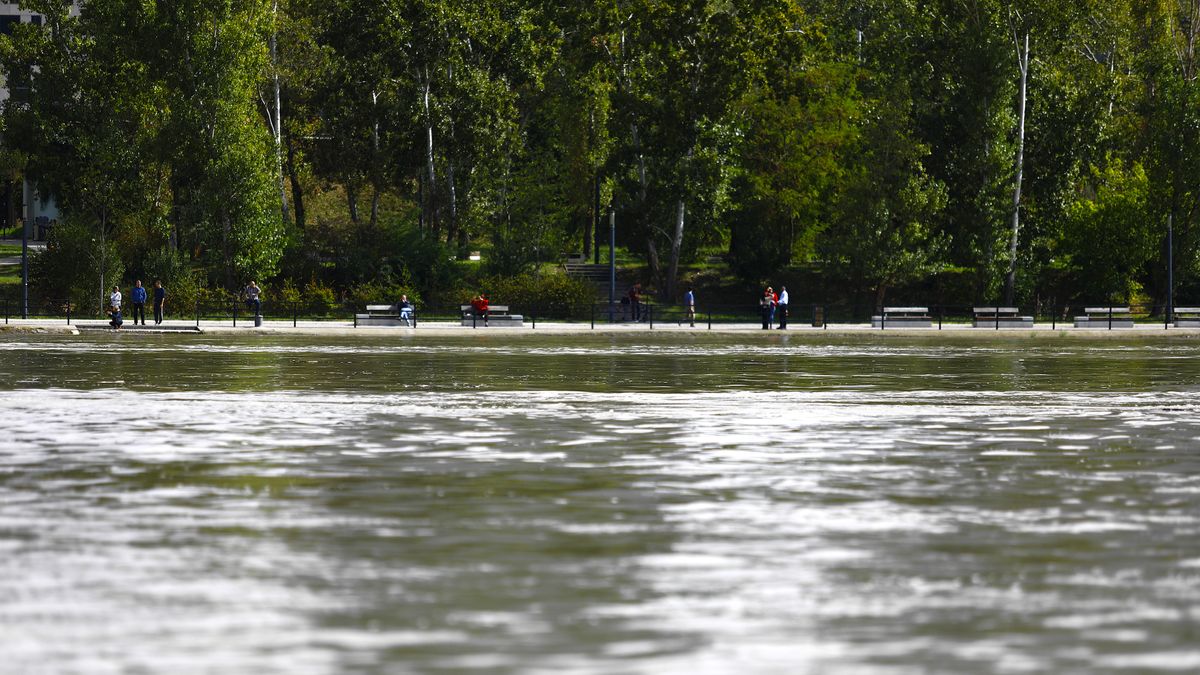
{"x":782,"y":307}
{"x":114,"y":308}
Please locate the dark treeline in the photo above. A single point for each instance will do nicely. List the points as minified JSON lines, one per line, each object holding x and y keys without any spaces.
{"x":1010,"y":151}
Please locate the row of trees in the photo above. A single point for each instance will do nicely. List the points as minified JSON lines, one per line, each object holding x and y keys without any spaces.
{"x":1022,"y":148}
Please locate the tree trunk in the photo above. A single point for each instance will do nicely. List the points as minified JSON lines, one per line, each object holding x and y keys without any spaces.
{"x":452,"y":226}
{"x":1010,"y":281}
{"x":374,"y":208}
{"x":431,"y":215}
{"x":297,"y":189}
{"x":352,"y":202}
{"x":676,"y":246}
{"x":103,"y":255}
{"x":276,"y":122}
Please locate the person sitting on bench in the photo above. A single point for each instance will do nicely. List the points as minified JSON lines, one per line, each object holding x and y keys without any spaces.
{"x":406,"y":310}
{"x":480,"y":305}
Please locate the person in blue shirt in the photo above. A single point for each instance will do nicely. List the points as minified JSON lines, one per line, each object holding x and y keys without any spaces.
{"x":137,"y":301}
{"x":160,"y":301}
{"x":689,"y":306}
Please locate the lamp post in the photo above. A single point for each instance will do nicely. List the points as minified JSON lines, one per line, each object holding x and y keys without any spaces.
{"x":1170,"y":266}
{"x":612,"y":260}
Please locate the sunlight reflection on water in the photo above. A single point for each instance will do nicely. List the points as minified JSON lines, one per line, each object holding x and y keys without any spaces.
{"x":511,"y":521}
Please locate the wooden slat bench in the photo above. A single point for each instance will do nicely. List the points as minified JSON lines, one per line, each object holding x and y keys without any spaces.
{"x":1187,"y":317}
{"x":498,"y":317}
{"x":380,"y":315}
{"x":1104,"y":318}
{"x":902,"y":317}
{"x":1001,"y":317}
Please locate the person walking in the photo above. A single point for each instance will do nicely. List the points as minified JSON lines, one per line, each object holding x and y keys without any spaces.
{"x":254,"y":297}
{"x":160,"y":301}
{"x":689,"y":306}
{"x":114,"y":308}
{"x":781,"y":307}
{"x":766,"y":304}
{"x":137,"y":302}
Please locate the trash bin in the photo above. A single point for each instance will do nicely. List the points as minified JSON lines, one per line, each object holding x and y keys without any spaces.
{"x":818,"y":316}
{"x":258,"y":320}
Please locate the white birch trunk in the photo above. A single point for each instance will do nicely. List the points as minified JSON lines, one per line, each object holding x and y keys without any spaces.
{"x":1010,"y":280}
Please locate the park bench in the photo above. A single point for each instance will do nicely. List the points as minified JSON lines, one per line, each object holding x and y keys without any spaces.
{"x":379,"y":315}
{"x":498,"y":317}
{"x":1104,"y":318}
{"x":1001,"y":317}
{"x":902,"y":317}
{"x":1187,"y":317}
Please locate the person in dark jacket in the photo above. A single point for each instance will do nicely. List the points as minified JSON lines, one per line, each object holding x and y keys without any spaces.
{"x":160,"y":301}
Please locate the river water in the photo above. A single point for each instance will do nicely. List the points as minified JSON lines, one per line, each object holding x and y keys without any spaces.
{"x":675,"y":503}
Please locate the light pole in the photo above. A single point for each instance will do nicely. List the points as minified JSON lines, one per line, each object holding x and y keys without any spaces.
{"x":612,"y":260}
{"x":1170,"y":266}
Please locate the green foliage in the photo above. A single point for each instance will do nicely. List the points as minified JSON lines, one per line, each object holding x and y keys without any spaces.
{"x":872,"y":143}
{"x":381,"y":292}
{"x":550,"y":295}
{"x":71,"y":266}
{"x":1110,"y":233}
{"x":177,"y":276}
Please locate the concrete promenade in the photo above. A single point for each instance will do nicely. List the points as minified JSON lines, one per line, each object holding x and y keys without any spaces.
{"x":453,"y":329}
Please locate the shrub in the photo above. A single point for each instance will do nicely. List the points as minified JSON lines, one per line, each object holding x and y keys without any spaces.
{"x":178,"y":279}
{"x":380,"y":292}
{"x":549,"y":295}
{"x":70,"y":267}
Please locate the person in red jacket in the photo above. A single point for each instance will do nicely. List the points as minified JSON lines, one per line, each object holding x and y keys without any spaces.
{"x":480,"y":305}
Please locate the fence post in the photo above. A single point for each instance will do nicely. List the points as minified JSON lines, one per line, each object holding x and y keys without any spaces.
{"x":941,"y":313}
{"x":414,"y":315}
{"x":710,"y":319}
{"x":824,"y":317}
{"x":650,"y":308}
{"x":1054,"y":316}
{"x":998,"y":317}
{"x":235,"y":313}
{"x":474,"y":315}
{"x":882,"y":318}
{"x":1167,"y":317}
{"x":533,"y":316}
{"x":1110,"y":317}
{"x":593,"y":316}
{"x":6,"y":311}
{"x":68,"y":312}
{"x":295,"y":312}
{"x":197,"y":314}
{"x":356,"y":319}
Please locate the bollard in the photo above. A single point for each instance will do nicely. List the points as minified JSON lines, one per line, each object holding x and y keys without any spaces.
{"x":295,"y":311}
{"x":710,"y":319}
{"x":235,"y":313}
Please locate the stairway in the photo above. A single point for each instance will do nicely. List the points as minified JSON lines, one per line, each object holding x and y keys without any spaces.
{"x":596,"y":275}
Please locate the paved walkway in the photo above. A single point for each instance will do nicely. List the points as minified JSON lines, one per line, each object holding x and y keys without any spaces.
{"x":450,"y":329}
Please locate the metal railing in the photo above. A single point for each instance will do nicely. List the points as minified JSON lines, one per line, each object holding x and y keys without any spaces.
{"x":1103,"y":316}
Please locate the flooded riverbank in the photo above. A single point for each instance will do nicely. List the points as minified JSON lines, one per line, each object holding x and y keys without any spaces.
{"x":700,"y":504}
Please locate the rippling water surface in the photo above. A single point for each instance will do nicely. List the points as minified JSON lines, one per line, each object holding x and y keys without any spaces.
{"x":628,"y":504}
